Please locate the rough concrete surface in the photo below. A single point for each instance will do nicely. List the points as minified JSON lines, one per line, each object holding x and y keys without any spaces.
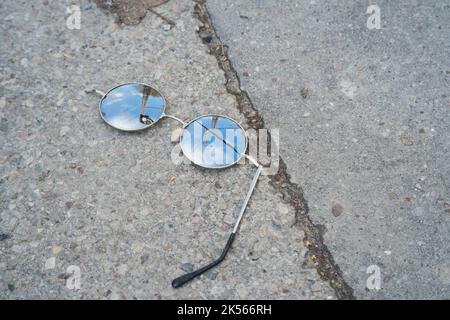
{"x":364,"y":119}
{"x":77,"y":195}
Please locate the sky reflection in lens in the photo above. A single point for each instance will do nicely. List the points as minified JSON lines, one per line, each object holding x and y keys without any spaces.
{"x":213,"y":141}
{"x":121,"y":107}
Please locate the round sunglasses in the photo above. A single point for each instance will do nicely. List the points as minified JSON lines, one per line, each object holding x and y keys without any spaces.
{"x":210,"y":141}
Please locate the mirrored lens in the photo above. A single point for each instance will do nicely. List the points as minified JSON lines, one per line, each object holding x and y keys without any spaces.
{"x":213,"y":141}
{"x":132,"y":107}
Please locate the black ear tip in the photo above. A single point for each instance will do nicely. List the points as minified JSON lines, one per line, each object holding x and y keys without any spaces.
{"x":176,"y":284}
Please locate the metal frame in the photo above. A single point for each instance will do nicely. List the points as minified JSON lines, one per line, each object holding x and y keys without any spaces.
{"x":178,"y":282}
{"x":124,"y":84}
{"x":222,"y":116}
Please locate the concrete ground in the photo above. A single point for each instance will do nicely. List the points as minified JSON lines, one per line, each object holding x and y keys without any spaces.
{"x":364,"y":120}
{"x":89,"y":212}
{"x":364,"y":134}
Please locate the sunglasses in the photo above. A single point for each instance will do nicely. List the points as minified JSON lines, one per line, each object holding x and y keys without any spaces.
{"x":210,"y":141}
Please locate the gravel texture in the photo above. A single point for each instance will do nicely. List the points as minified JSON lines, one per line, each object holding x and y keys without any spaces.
{"x":77,"y":195}
{"x":364,"y":127}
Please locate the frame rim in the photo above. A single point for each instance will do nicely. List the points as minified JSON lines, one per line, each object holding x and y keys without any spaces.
{"x":218,"y":115}
{"x":124,"y":84}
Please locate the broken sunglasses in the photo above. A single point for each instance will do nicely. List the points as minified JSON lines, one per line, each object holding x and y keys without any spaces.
{"x":209,"y":141}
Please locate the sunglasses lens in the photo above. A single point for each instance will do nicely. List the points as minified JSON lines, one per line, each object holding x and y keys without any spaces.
{"x":132,"y":107}
{"x":213,"y":141}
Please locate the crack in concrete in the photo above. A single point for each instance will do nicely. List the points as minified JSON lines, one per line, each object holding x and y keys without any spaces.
{"x":318,"y":252}
{"x":131,"y":13}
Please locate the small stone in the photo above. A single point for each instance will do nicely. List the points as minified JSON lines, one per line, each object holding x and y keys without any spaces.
{"x":56,"y":249}
{"x":304,"y":92}
{"x":167,"y":27}
{"x":316,"y":287}
{"x":392,"y":195}
{"x":2,"y":103}
{"x":283,"y":209}
{"x":337,"y":209}
{"x":24,"y":62}
{"x":211,"y":275}
{"x":222,"y":204}
{"x":242,"y":292}
{"x":176,"y":134}
{"x":144,"y":258}
{"x":28,"y":159}
{"x":444,"y":274}
{"x":29,"y":103}
{"x":117,"y":295}
{"x":60,"y":102}
{"x":388,"y":252}
{"x":137,"y":247}
{"x":229,"y":219}
{"x":73,"y":245}
{"x":187,"y":267}
{"x":4,"y":236}
{"x":406,"y":140}
{"x":122,"y":269}
{"x":50,"y":263}
{"x":68,"y":205}
{"x":306,"y":115}
{"x":64,"y":130}
{"x":348,"y":88}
